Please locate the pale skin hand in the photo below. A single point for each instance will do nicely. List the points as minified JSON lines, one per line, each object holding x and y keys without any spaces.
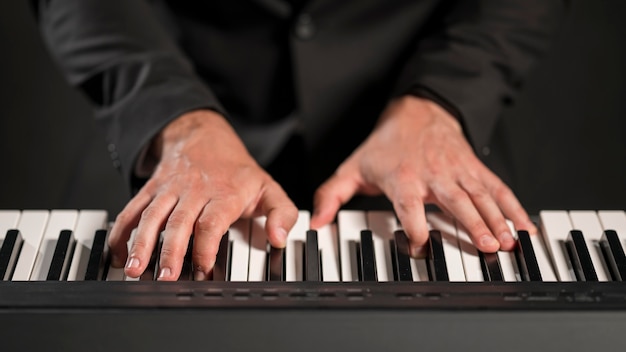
{"x":205,"y":180}
{"x":417,"y":154}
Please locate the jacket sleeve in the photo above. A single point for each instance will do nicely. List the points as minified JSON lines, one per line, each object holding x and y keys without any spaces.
{"x":120,"y":55}
{"x":474,"y":59}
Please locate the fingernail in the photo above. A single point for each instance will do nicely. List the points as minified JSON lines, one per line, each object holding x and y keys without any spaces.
{"x":506,"y":239}
{"x":165,"y":272}
{"x":132,"y":263}
{"x":487,"y":241}
{"x":199,"y":275}
{"x":282,"y":234}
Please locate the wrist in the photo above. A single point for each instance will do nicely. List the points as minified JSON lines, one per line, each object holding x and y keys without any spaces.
{"x":422,"y":109}
{"x":197,"y":122}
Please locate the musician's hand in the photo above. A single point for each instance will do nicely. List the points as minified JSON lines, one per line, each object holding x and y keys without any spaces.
{"x":417,"y":154}
{"x":204,"y":181}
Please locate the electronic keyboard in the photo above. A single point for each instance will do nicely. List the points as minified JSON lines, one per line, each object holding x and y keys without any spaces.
{"x":563,"y":287}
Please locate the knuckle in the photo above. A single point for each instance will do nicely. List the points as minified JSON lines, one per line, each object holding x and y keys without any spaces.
{"x":124,"y":217}
{"x":502,"y":228}
{"x":140,"y":246}
{"x":478,"y":193}
{"x":477,"y":227}
{"x":502,"y":192}
{"x":452,"y":196}
{"x":224,"y":189}
{"x":171,"y":253}
{"x":291,"y":212}
{"x":405,"y":172}
{"x":407,"y":202}
{"x":202,"y":259}
{"x":209,"y":225}
{"x":151,"y":213}
{"x":179,"y":219}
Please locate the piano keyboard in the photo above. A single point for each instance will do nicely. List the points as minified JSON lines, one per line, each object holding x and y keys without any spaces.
{"x":364,"y":246}
{"x":348,"y":286}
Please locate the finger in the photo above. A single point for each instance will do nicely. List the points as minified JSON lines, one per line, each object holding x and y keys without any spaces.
{"x":176,"y":236}
{"x":330,"y":196}
{"x":511,"y":207}
{"x":281,"y":214}
{"x":125,"y":222}
{"x":457,"y":201}
{"x":489,"y":211}
{"x":409,"y":207}
{"x":152,"y":219}
{"x":213,"y":222}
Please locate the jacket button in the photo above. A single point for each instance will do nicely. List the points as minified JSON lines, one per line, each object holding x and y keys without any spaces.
{"x":305,"y":27}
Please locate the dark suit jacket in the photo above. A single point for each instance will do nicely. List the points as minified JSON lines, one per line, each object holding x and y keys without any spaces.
{"x":321,"y":68}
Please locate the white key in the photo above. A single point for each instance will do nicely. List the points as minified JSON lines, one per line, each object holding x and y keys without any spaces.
{"x":89,"y":221}
{"x":329,"y":252}
{"x":350,"y":224}
{"x":452,"y":253}
{"x":469,"y":254}
{"x":294,"y":260}
{"x":508,"y":263}
{"x":59,"y":220}
{"x":31,"y":225}
{"x":8,"y":221}
{"x":589,"y":224}
{"x":614,"y":220}
{"x":129,"y":244}
{"x":419,"y":269}
{"x":239,"y":236}
{"x":258,"y":250}
{"x":555,"y":227}
{"x":382,"y":224}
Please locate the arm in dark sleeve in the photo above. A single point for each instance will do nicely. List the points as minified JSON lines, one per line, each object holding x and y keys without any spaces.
{"x":474,"y":61}
{"x":121,"y":56}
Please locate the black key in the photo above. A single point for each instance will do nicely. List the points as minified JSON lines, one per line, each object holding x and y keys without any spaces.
{"x":312,"y":257}
{"x":368,"y":263}
{"x":220,"y":269}
{"x":11,"y":247}
{"x":528,"y":265}
{"x":60,"y":258}
{"x":614,"y":254}
{"x":436,"y":257}
{"x":96,"y":257}
{"x":579,"y":254}
{"x":490,"y":264}
{"x":276,"y":264}
{"x":403,"y":261}
{"x":186,"y":271}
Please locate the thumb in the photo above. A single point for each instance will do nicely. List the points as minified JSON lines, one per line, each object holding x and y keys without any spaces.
{"x":331,"y":195}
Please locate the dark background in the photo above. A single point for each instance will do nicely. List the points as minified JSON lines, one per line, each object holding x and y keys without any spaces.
{"x":566,"y":134}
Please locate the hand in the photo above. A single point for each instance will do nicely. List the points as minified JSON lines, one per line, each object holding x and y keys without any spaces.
{"x":417,"y":154}
{"x":204,"y":181}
